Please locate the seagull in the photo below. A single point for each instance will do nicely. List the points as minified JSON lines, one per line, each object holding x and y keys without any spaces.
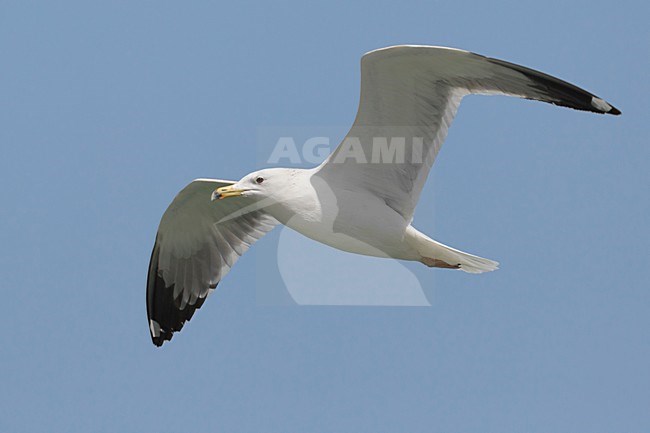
{"x":361,"y":199}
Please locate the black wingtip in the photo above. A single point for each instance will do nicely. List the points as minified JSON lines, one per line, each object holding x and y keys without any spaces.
{"x":158,"y":341}
{"x":163,"y":310}
{"x":615,"y":111}
{"x":560,"y":92}
{"x":604,"y":107}
{"x":166,"y":315}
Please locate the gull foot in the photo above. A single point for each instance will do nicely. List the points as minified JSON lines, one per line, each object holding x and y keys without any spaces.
{"x":435,"y":263}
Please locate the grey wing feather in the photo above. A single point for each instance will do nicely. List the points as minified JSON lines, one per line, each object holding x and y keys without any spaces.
{"x":197,"y":243}
{"x":411,"y":93}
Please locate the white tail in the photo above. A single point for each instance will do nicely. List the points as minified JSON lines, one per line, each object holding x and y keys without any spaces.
{"x":432,"y":251}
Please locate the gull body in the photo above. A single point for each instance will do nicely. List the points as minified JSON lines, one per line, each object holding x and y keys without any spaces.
{"x":356,"y":200}
{"x":311,"y":203}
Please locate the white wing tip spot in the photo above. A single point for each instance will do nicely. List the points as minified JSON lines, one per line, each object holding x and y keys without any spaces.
{"x":600,"y":104}
{"x":154,"y":327}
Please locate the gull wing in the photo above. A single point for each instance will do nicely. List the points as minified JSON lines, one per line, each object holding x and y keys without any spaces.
{"x":197,"y":243}
{"x":409,"y":96}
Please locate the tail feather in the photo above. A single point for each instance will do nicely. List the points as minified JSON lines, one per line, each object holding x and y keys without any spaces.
{"x":432,"y":250}
{"x":471,"y":263}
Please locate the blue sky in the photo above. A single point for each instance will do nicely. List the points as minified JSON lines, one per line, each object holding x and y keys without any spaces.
{"x":109,"y":108}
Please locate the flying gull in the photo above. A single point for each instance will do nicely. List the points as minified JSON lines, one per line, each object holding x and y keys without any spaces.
{"x":361,"y":199}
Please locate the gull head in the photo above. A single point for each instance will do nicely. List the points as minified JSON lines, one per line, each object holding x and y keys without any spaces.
{"x":260,"y":184}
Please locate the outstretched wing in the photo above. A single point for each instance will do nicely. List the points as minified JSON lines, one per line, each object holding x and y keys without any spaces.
{"x":409,"y":96}
{"x":197,"y":243}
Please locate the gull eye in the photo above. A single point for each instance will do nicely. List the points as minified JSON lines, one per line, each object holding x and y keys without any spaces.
{"x":259,"y":180}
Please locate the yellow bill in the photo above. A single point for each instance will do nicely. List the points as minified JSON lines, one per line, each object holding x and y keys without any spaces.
{"x":225,"y":192}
